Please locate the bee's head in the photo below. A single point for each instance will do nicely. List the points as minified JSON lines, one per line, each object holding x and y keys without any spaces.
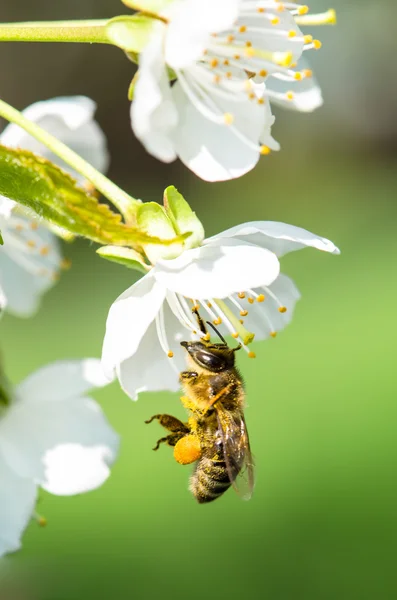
{"x":211,"y":357}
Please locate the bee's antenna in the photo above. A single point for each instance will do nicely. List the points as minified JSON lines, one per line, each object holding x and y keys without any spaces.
{"x":217,"y":332}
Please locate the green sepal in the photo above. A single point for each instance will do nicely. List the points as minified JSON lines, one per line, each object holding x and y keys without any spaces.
{"x":1,"y":240}
{"x":54,"y":195}
{"x":154,"y":7}
{"x":182,"y":217}
{"x":131,"y":32}
{"x":131,"y":89}
{"x":124,"y":256}
{"x":5,"y":392}
{"x":152,"y":218}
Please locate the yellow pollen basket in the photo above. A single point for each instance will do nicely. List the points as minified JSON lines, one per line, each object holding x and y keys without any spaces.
{"x":187,"y":450}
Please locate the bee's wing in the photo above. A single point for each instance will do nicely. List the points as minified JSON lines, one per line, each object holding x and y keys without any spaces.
{"x":237,"y":451}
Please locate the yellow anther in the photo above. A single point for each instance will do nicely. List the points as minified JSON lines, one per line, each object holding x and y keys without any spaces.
{"x":209,"y":304}
{"x":31,"y":244}
{"x":228,"y":118}
{"x":249,"y":52}
{"x":230,"y":39}
{"x":251,"y":300}
{"x":275,"y":21}
{"x":252,"y":96}
{"x":19,"y":227}
{"x":229,"y":74}
{"x":217,"y":321}
{"x":308,"y":39}
{"x":66,"y":263}
{"x":283,"y":59}
{"x":251,"y":355}
{"x":237,"y":57}
{"x":290,"y":95}
{"x":241,"y":295}
{"x":248,"y":44}
{"x":280,"y":8}
{"x":307,"y":73}
{"x":317,"y":44}
{"x":243,"y":313}
{"x":261,"y":101}
{"x":273,"y":334}
{"x":214,"y":63}
{"x":241,"y":321}
{"x":293,"y":65}
{"x":217,"y":79}
{"x":303,"y":10}
{"x":242,"y":28}
{"x":226,"y":62}
{"x":261,"y":10}
{"x":42,"y":521}
{"x":282,"y":309}
{"x":260,"y":298}
{"x":34,"y":225}
{"x":298,"y":76}
{"x":263,"y":73}
{"x":264,"y":150}
{"x":44,"y":250}
{"x":325,"y":18}
{"x":170,"y":354}
{"x":235,"y":335}
{"x":196,"y":307}
{"x":292,"y":33}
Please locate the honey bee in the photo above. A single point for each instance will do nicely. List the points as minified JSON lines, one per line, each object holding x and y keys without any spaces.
{"x":215,"y":436}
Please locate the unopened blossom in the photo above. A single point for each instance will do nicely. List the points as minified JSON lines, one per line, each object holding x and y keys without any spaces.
{"x":231,"y":58}
{"x":30,"y":259}
{"x":53,"y":436}
{"x":234,"y":281}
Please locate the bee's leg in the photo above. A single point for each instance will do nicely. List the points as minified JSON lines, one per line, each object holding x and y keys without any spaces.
{"x":200,"y":321}
{"x":170,"y":440}
{"x":170,"y":423}
{"x":177,"y":428}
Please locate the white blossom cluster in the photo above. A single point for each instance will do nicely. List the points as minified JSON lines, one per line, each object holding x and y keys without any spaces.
{"x":206,"y":82}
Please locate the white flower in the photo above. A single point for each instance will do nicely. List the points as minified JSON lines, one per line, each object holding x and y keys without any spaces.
{"x":230,"y":58}
{"x":30,"y":258}
{"x":233,"y":277}
{"x":53,"y":436}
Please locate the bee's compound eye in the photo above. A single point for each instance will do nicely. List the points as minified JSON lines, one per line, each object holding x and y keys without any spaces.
{"x":210,"y":361}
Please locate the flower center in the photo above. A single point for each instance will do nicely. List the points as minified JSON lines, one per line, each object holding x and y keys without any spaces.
{"x":239,"y":315}
{"x":236,"y":63}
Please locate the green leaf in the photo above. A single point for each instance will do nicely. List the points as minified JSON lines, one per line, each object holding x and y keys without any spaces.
{"x":1,"y":240}
{"x":124,"y":256}
{"x":51,"y":193}
{"x":131,"y":33}
{"x":182,"y":217}
{"x":131,"y":89}
{"x":154,"y":7}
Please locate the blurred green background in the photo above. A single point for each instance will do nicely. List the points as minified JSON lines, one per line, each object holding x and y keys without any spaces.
{"x":322,"y":396}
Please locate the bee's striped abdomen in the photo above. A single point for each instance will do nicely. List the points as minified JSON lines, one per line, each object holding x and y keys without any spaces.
{"x":209,"y":480}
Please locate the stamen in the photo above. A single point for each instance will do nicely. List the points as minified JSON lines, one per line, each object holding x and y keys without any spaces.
{"x":281,"y":307}
{"x":236,"y":325}
{"x":326,"y":18}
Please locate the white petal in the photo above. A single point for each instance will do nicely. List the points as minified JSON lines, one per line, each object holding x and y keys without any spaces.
{"x":128,"y":320}
{"x":71,"y":120}
{"x":280,"y":238}
{"x":218,"y":270}
{"x":17,"y":502}
{"x":27,"y":271}
{"x":306,"y":92}
{"x":191,"y":25}
{"x":3,"y":302}
{"x":35,"y":438}
{"x":77,"y":377}
{"x":266,"y":137}
{"x":150,"y":369}
{"x":214,"y":151}
{"x":153,"y":114}
{"x":6,"y":206}
{"x":264,"y":318}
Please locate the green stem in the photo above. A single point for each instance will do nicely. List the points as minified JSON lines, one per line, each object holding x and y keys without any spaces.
{"x":93,"y":32}
{"x":125,"y":203}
